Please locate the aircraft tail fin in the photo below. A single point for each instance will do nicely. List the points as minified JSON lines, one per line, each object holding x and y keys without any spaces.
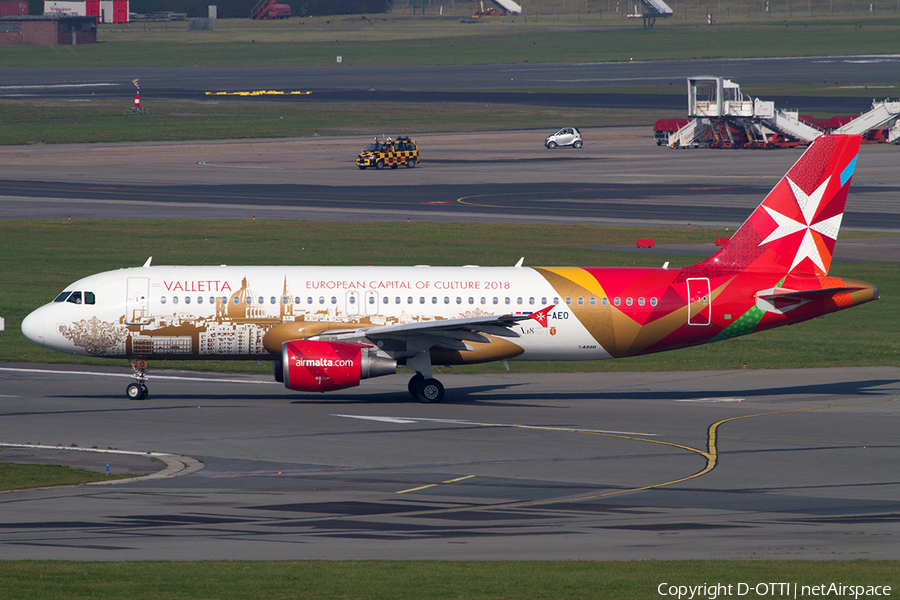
{"x":795,"y":228}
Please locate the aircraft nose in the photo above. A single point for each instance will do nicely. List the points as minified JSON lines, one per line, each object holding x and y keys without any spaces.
{"x":33,"y":327}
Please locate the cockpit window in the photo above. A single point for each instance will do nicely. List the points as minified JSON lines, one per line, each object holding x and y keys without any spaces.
{"x":76,"y":297}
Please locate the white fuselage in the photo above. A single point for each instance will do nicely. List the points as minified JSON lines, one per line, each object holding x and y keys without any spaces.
{"x":225,"y":311}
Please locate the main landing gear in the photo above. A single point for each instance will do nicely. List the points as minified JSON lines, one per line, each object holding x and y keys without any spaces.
{"x":138,"y":390}
{"x":423,"y":387}
{"x":425,"y":390}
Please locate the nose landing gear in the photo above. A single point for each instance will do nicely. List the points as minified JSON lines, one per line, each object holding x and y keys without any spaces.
{"x":138,"y":390}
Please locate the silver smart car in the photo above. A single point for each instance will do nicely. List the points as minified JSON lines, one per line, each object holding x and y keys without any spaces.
{"x":567,"y":136}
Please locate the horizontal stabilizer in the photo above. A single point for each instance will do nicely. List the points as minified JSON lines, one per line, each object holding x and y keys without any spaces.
{"x":784,"y":294}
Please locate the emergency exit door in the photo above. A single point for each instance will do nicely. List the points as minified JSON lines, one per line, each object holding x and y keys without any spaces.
{"x":699,"y":301}
{"x":137,"y":302}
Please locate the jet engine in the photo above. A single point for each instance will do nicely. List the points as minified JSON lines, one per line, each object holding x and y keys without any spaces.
{"x":320,"y":366}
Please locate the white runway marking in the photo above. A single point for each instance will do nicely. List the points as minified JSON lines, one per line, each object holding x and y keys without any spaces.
{"x":711,"y":400}
{"x":413,"y":420}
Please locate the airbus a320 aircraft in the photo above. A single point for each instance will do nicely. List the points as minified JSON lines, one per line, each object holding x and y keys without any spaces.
{"x":326,"y":328}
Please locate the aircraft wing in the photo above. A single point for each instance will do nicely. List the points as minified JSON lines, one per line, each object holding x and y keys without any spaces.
{"x":446,"y":333}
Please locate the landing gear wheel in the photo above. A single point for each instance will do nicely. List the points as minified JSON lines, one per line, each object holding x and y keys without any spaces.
{"x":411,"y":163}
{"x":577,"y":144}
{"x":551,"y":145}
{"x":413,"y":383}
{"x":136,"y":391}
{"x":430,"y":390}
{"x":379,"y":165}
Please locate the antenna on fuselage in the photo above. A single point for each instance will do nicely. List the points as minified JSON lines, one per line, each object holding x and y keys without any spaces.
{"x":149,"y":260}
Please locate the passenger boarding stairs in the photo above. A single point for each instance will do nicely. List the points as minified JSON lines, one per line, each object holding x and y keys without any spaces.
{"x":723,"y":116}
{"x":509,"y":6}
{"x":883,"y":115}
{"x":788,"y":121}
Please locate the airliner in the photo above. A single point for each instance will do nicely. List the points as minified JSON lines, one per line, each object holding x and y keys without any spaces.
{"x":328,"y":328}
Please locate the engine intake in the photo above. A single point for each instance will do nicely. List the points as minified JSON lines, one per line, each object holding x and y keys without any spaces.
{"x":320,"y":366}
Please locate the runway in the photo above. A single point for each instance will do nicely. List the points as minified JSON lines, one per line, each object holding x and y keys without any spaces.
{"x":736,"y":464}
{"x":620,"y":176}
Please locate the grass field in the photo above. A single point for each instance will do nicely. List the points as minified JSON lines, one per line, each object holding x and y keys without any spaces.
{"x":428,"y":580}
{"x":49,"y":255}
{"x":66,"y":121}
{"x":16,"y":476}
{"x":366,"y":42}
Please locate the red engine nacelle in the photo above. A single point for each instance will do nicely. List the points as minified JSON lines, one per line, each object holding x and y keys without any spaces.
{"x":319,"y":366}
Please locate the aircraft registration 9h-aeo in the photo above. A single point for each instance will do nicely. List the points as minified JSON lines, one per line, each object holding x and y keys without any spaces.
{"x":326,"y":328}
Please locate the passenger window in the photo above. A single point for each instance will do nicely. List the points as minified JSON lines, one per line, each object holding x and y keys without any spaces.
{"x":237,"y":300}
{"x":531,"y":301}
{"x":62,"y":297}
{"x":459,"y":300}
{"x":421,"y":299}
{"x":352,"y":300}
{"x":543,"y":301}
{"x":506,"y":300}
{"x":296,"y":299}
{"x":483,"y":300}
{"x":321,"y":299}
{"x":496,"y":300}
{"x":334,"y":299}
{"x":471,"y":300}
{"x":580,"y":301}
{"x":162,"y":300}
{"x":261,"y":300}
{"x":371,"y":299}
{"x":628,"y":301}
{"x":434,"y":299}
{"x":249,"y":300}
{"x":617,"y":301}
{"x":652,"y":301}
{"x":555,"y":300}
{"x":89,"y":297}
{"x":518,"y":301}
{"x":187,"y":299}
{"x":568,"y":301}
{"x":174,"y":299}
{"x":272,"y":300}
{"x":640,"y":301}
{"x":593,"y":301}
{"x":605,"y":301}
{"x":409,"y":300}
{"x":75,"y":298}
{"x":446,"y":300}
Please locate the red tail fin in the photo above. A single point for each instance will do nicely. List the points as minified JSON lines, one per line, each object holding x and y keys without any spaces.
{"x":795,"y":228}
